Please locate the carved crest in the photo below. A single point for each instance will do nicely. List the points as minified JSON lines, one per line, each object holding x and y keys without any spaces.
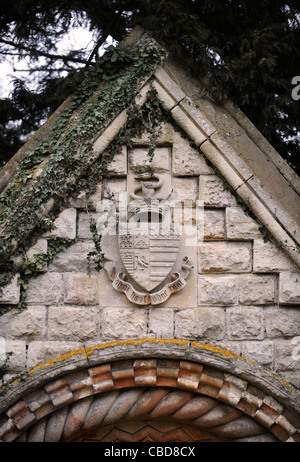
{"x":149,"y":257}
{"x":148,"y":271}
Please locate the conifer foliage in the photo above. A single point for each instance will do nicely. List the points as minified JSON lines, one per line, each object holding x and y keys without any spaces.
{"x":248,"y":50}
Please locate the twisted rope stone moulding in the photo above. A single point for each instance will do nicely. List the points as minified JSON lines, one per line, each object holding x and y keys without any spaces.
{"x":169,"y":388}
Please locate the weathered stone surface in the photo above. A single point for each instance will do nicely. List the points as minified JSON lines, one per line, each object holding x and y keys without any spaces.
{"x":40,"y":352}
{"x":30,"y":323}
{"x":161,"y":322}
{"x":80,"y":288}
{"x":217,"y":290}
{"x":118,"y":165}
{"x":211,"y":323}
{"x":184,"y":189}
{"x":84,"y":224}
{"x":69,"y":323}
{"x":257,"y":289}
{"x":267,"y":257}
{"x":289,"y":288}
{"x":214,"y":225}
{"x":83,"y":200}
{"x":74,"y":258}
{"x":183,"y":119}
{"x":186,"y":160}
{"x":64,"y":226}
{"x":225,"y":257}
{"x":287,"y":354}
{"x":112,"y":188}
{"x":239,"y":225}
{"x":122,"y":323}
{"x":244,"y":323}
{"x":259,"y":352}
{"x":40,"y":247}
{"x":282,"y":322}
{"x":45,"y":289}
{"x":108,"y":296}
{"x":204,"y":323}
{"x":164,"y":134}
{"x":10,"y":294}
{"x":16,"y":356}
{"x":213,"y":192}
{"x":139,"y":157}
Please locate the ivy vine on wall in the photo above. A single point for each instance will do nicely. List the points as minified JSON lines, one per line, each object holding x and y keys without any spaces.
{"x":62,"y":163}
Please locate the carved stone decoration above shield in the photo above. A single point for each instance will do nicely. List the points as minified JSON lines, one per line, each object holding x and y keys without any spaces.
{"x":148,"y":263}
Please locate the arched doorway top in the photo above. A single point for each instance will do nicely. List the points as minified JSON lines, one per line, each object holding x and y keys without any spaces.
{"x":196,"y":368}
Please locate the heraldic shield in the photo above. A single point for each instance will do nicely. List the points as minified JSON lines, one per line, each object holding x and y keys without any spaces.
{"x":148,"y":255}
{"x":149,"y":266}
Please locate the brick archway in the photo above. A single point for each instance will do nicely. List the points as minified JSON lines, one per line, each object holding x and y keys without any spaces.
{"x":148,"y":399}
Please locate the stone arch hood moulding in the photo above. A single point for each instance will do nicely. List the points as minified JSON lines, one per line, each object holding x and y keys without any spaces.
{"x":239,"y":375}
{"x":243,"y":157}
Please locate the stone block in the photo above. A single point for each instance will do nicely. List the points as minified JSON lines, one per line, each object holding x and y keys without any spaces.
{"x":80,"y":288}
{"x":16,"y":356}
{"x":184,"y":121}
{"x":200,"y":323}
{"x":160,"y":161}
{"x":94,"y":199}
{"x":244,"y":323}
{"x":164,"y":133}
{"x":282,"y":321}
{"x":225,"y":257}
{"x":79,"y":201}
{"x":45,"y":289}
{"x":287,"y":354}
{"x":69,"y":323}
{"x":213,"y":192}
{"x":259,"y":352}
{"x":39,"y":352}
{"x":161,"y":323}
{"x":64,"y":225}
{"x":214,"y":225}
{"x":112,"y":188}
{"x":123,"y":323}
{"x":118,"y":165}
{"x":74,"y":258}
{"x":185,"y":190}
{"x":239,"y":226}
{"x":10,"y":293}
{"x":40,"y":247}
{"x":255,"y":289}
{"x":83,"y":200}
{"x":186,"y":160}
{"x":186,"y":324}
{"x":108,"y":296}
{"x":27,"y":324}
{"x":289,"y":288}
{"x":268,"y":258}
{"x":109,"y":133}
{"x":200,"y":120}
{"x":217,"y":290}
{"x":211,"y":324}
{"x":84,"y":224}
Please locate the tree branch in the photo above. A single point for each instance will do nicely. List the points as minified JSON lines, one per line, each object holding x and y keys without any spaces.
{"x":42,"y":53}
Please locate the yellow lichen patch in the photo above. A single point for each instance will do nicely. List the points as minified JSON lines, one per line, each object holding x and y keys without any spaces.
{"x":214,"y":349}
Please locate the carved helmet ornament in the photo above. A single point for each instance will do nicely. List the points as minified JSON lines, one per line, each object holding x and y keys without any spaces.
{"x":149,"y":267}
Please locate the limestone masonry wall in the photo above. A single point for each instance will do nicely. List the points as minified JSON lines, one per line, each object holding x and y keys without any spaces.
{"x":242,"y":295}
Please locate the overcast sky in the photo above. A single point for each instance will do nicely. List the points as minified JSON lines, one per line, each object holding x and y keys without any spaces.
{"x":78,"y":38}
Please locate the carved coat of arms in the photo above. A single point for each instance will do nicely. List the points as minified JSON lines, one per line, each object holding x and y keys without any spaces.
{"x":147,"y":270}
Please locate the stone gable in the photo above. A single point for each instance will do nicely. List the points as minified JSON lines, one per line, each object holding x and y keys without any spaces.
{"x":237,"y":295}
{"x":227,"y":274}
